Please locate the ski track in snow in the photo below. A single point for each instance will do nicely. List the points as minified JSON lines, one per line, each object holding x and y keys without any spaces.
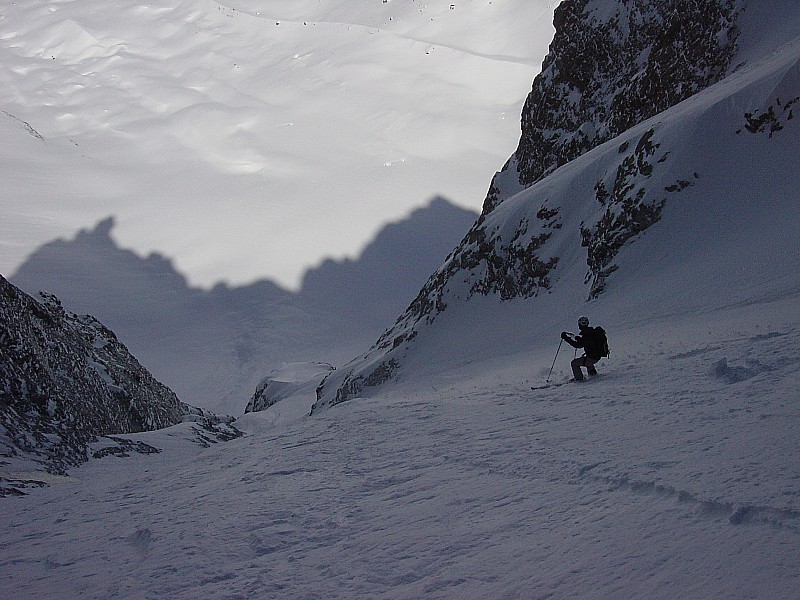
{"x":675,"y":474}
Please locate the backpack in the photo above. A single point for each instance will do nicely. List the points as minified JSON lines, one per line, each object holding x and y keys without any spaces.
{"x":596,"y":344}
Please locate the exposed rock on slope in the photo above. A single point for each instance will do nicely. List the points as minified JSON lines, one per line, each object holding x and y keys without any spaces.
{"x":66,"y":379}
{"x":611,"y":66}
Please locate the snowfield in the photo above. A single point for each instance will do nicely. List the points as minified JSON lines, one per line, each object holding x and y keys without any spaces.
{"x":675,"y":474}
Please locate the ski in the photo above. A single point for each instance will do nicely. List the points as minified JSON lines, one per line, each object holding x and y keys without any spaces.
{"x":560,"y":383}
{"x":550,"y":385}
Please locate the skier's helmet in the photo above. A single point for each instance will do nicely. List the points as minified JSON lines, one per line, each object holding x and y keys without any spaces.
{"x":583,"y":322}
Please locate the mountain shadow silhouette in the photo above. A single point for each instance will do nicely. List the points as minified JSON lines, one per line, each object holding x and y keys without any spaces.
{"x":212,"y":346}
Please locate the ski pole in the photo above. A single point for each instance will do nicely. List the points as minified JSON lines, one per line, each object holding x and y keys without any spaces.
{"x":554,"y":361}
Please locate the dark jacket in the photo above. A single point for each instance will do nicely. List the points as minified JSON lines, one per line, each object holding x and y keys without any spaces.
{"x":591,"y":339}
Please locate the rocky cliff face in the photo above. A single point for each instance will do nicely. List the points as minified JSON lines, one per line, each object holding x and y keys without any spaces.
{"x":611,"y":66}
{"x":66,"y":379}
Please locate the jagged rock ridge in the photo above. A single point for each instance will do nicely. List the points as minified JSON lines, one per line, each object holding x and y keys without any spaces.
{"x":610,"y":67}
{"x":213,"y":347}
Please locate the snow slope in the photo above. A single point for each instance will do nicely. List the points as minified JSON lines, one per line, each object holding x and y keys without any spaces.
{"x":673,"y":475}
{"x":246,"y":139}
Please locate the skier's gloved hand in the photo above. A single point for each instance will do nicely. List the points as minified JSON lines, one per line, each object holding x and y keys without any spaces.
{"x":564,"y":336}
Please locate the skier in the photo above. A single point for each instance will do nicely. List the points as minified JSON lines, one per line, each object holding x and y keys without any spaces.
{"x":594,"y":343}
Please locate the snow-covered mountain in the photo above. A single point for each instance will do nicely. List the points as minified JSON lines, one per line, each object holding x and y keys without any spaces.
{"x":605,"y":195}
{"x":64,"y":381}
{"x":213,"y":347}
{"x":286,"y":391}
{"x":674,"y":474}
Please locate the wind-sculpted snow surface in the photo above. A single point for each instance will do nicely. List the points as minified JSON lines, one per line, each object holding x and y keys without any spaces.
{"x":266,"y":135}
{"x":573,"y":227}
{"x":66,"y":379}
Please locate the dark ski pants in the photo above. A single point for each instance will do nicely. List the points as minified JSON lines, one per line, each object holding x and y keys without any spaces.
{"x":583,"y":361}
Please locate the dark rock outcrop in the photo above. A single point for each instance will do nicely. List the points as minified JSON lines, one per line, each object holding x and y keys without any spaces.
{"x":66,"y":379}
{"x":610,"y":67}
